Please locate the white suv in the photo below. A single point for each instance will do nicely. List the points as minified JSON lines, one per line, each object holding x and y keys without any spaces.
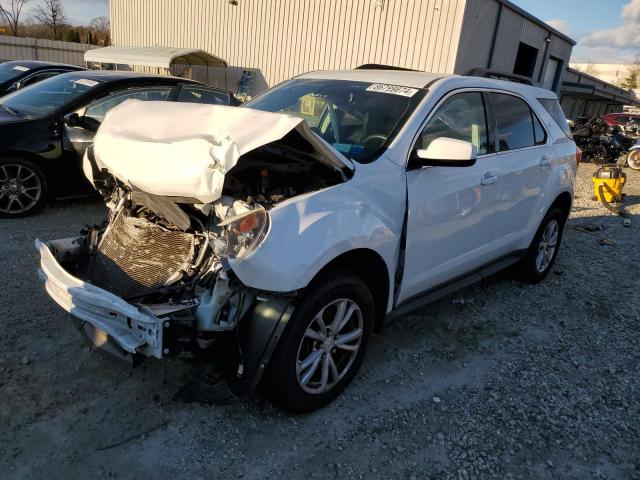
{"x":276,"y":237}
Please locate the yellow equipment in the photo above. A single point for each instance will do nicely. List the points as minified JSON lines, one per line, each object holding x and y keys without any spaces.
{"x":608,"y":182}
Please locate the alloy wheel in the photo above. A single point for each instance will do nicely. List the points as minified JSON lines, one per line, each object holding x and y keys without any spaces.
{"x":329,"y":346}
{"x":20,"y":188}
{"x":547,"y":245}
{"x":634,"y":160}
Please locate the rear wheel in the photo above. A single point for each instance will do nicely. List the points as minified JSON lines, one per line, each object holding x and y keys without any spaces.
{"x":633,"y":160}
{"x":23,"y":188}
{"x":324,"y":344}
{"x":542,"y":253}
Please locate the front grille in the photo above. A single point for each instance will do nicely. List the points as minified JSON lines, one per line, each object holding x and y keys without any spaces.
{"x":135,"y":257}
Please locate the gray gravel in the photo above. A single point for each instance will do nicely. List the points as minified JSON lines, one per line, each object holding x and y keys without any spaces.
{"x":497,"y":381}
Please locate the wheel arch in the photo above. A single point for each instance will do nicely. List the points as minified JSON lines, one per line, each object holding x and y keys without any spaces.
{"x":371,"y":268}
{"x":563,"y":201}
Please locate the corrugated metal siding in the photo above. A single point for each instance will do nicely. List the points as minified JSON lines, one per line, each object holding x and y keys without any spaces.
{"x":283,"y":38}
{"x":477,"y":32}
{"x":12,"y":48}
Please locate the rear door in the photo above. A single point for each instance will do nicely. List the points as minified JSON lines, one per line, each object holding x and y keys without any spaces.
{"x":525,"y":156}
{"x":451,"y":210}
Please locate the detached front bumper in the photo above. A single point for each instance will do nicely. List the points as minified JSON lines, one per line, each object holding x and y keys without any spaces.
{"x":134,"y":329}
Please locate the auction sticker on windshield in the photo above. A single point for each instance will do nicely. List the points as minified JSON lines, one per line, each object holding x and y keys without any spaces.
{"x":392,"y":89}
{"x":86,"y":82}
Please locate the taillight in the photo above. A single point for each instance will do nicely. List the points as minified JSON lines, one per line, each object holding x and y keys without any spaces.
{"x":578,"y":156}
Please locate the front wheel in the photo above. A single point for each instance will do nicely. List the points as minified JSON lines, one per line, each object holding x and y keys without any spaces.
{"x":542,"y":253}
{"x":324,"y":344}
{"x":23,"y":188}
{"x":633,"y":159}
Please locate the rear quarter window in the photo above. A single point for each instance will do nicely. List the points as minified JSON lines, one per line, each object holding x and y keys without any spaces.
{"x":552,"y":106}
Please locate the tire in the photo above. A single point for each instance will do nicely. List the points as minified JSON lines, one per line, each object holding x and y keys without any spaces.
{"x":532,"y":268}
{"x":633,"y":160}
{"x":303,"y":354}
{"x":23,"y":188}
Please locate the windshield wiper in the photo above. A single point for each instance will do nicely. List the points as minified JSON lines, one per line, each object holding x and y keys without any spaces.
{"x":9,"y":109}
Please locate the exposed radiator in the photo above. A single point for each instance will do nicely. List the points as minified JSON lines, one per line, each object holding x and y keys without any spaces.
{"x":135,"y":257}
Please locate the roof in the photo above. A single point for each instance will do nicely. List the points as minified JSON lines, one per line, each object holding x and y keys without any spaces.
{"x":596,"y":89}
{"x":33,"y":64}
{"x":405,"y":78}
{"x":537,"y":21}
{"x":162,"y":57}
{"x":114,"y":75}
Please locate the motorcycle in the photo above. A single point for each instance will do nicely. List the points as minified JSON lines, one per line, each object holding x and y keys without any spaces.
{"x":596,"y":147}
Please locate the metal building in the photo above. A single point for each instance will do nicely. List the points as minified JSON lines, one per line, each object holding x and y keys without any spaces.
{"x":273,"y":40}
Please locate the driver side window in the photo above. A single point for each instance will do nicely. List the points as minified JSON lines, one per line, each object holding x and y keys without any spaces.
{"x":462,"y":117}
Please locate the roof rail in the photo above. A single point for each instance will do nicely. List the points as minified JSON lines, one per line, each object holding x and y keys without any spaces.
{"x":378,"y":66}
{"x":486,"y":73}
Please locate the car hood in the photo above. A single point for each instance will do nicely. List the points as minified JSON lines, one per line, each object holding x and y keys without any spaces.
{"x":184,"y":150}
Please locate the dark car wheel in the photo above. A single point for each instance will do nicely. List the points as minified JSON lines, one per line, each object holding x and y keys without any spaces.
{"x":23,"y":188}
{"x":323,"y":345}
{"x":542,"y":253}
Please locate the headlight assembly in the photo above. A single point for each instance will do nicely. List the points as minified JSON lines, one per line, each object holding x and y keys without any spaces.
{"x":244,"y":232}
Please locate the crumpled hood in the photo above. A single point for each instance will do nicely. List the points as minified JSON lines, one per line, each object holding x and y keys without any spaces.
{"x":184,"y":149}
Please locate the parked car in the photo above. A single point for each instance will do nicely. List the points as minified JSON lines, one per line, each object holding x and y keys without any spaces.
{"x":45,"y":129}
{"x":18,"y":74}
{"x":277,"y":237}
{"x":621,"y":119}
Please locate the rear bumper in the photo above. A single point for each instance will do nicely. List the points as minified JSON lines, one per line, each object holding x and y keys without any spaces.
{"x":135,"y":329}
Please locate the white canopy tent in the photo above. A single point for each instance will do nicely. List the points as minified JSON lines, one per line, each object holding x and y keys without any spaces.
{"x":162,"y":58}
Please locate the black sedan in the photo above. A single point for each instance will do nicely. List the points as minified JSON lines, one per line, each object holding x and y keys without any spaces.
{"x":45,"y":129}
{"x":18,"y":74}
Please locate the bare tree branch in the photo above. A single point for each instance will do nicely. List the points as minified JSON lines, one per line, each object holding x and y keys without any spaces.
{"x":51,"y":14}
{"x":11,"y":11}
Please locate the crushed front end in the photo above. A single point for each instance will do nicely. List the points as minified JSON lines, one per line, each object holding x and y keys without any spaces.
{"x":154,"y":279}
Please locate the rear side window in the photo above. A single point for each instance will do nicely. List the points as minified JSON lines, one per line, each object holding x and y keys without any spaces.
{"x":514,"y":121}
{"x":552,"y":106}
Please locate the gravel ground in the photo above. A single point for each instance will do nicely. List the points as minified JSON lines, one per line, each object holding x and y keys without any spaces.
{"x":497,"y":381}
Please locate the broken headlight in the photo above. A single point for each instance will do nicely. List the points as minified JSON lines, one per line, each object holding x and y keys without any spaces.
{"x":244,"y":232}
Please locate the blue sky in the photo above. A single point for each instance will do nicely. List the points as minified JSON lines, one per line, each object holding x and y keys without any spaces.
{"x":607,"y":31}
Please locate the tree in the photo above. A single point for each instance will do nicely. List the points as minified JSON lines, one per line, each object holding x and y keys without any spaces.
{"x":631,"y":80}
{"x":51,"y":14}
{"x":10,"y":10}
{"x":101,"y":28}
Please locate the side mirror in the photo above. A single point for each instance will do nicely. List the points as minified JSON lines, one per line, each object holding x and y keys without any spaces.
{"x":72,"y":120}
{"x":446,"y":152}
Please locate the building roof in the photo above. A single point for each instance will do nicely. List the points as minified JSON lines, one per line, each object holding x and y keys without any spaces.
{"x":162,"y":57}
{"x":578,"y":83}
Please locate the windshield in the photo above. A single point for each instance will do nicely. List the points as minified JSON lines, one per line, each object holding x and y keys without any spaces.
{"x":9,"y":71}
{"x":358,"y":118}
{"x":48,"y":95}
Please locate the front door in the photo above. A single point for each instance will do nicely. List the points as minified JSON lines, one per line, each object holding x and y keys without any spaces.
{"x":451,"y":209}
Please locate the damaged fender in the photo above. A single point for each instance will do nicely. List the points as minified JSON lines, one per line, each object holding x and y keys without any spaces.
{"x":308,"y":231}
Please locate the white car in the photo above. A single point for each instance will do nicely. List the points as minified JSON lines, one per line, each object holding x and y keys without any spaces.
{"x":278,"y":236}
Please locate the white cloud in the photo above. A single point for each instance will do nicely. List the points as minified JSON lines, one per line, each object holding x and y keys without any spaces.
{"x":560,"y":25}
{"x":625,"y":36}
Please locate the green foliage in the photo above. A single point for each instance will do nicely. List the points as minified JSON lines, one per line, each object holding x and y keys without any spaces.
{"x":631,"y":80}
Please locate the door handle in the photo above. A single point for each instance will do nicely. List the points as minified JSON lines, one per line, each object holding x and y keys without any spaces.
{"x":545,"y":161}
{"x":489,"y":178}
